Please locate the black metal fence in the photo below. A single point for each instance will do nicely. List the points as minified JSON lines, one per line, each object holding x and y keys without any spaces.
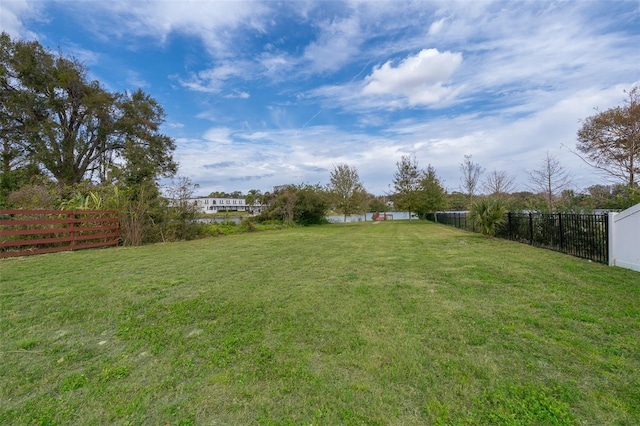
{"x":580,"y":235}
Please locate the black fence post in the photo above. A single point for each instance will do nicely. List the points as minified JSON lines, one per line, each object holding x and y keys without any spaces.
{"x":561,"y":231}
{"x":531,"y":228}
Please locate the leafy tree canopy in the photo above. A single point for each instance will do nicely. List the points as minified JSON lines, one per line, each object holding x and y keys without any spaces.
{"x":432,"y":196}
{"x":347,"y":192}
{"x":406,"y":184}
{"x":303,"y":204}
{"x":74,"y":129}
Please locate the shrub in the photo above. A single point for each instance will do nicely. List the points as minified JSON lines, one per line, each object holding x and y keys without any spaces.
{"x":487,"y":214}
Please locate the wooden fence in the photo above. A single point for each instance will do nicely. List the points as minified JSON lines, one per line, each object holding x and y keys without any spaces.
{"x":25,"y":232}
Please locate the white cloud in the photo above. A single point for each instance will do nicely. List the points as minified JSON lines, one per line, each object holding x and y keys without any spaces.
{"x":383,"y":75}
{"x":539,"y":46}
{"x":224,"y":158}
{"x":277,"y":66}
{"x":213,"y":22}
{"x":271,"y":157}
{"x":436,"y":26}
{"x":14,"y":14}
{"x":238,"y":95}
{"x":338,"y":41}
{"x":213,"y":80}
{"x":420,"y":78}
{"x":218,"y":135}
{"x":135,"y":80}
{"x":501,"y":143}
{"x":85,"y":56}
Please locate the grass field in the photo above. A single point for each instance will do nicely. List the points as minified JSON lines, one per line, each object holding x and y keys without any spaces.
{"x":360,"y":324}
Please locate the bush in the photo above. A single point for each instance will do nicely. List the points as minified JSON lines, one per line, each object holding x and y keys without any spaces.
{"x":487,"y":214}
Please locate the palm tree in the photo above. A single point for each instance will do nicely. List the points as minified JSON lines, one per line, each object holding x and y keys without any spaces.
{"x":487,"y":214}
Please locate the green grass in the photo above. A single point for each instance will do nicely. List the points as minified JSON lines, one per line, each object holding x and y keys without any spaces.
{"x":358,"y":324}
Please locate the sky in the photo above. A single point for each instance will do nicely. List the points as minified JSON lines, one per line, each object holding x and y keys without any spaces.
{"x":258,"y":94}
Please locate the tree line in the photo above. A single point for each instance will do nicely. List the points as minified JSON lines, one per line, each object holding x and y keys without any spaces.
{"x":609,"y":141}
{"x":68,"y":142}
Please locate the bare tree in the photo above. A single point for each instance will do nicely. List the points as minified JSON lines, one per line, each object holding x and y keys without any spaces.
{"x":550,"y":179}
{"x":499,"y":184}
{"x":470,"y":176}
{"x":181,"y":216}
{"x":610,"y":140}
{"x":179,"y":192}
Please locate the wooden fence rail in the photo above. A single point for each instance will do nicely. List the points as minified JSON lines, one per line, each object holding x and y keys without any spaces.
{"x":25,"y":232}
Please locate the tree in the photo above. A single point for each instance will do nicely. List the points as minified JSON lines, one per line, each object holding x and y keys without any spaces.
{"x":74,"y":128}
{"x":253,"y":197}
{"x":378,"y":203}
{"x":218,"y":194}
{"x":347,"y":192}
{"x":470,"y":176}
{"x":610,"y":140}
{"x":311,"y":205}
{"x":16,"y":168}
{"x":617,"y":196}
{"x":303,"y":204}
{"x":406,"y":184}
{"x":182,"y":212}
{"x":432,"y":195}
{"x":142,"y":153}
{"x":550,"y":179}
{"x":499,"y":184}
{"x":456,"y":200}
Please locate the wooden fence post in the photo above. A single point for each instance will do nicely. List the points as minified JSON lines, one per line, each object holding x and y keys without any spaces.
{"x":72,"y":232}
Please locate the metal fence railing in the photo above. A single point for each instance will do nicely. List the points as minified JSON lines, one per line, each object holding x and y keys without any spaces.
{"x":580,"y":235}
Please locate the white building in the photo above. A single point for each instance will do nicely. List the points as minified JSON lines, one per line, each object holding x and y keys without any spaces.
{"x":216,"y":205}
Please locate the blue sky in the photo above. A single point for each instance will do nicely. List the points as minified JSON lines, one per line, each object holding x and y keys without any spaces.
{"x":259,"y":94}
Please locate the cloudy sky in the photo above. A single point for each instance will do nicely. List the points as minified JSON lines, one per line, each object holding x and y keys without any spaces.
{"x":259,"y":94}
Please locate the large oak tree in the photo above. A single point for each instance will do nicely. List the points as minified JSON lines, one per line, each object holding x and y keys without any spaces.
{"x":72,"y":128}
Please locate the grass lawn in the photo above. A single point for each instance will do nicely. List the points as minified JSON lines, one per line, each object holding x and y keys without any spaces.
{"x":361,"y":324}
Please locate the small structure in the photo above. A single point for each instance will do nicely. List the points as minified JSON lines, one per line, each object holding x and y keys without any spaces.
{"x":377,"y":216}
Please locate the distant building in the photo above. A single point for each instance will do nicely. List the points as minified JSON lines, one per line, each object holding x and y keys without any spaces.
{"x":217,"y":205}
